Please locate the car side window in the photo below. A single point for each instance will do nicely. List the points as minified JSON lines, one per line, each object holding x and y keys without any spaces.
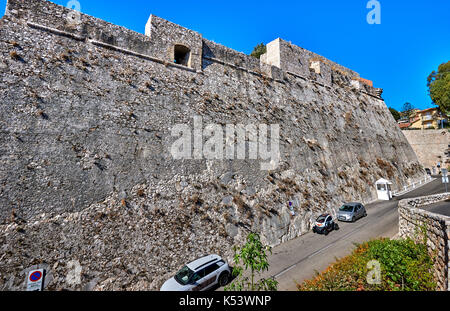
{"x":198,"y":275}
{"x":211,"y":269}
{"x":329,"y":219}
{"x":195,"y":278}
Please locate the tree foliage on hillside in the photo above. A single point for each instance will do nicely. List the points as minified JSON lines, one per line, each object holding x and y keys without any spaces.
{"x":259,"y":50}
{"x":395,"y":114}
{"x":439,"y":87}
{"x":407,"y":110}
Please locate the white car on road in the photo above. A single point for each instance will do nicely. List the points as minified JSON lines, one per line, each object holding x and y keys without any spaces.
{"x":200,"y":275}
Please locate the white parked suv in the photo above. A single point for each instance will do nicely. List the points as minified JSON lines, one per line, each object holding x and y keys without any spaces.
{"x":200,"y":275}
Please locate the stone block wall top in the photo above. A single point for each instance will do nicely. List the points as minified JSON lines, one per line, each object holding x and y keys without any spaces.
{"x":58,"y":18}
{"x":272,"y":56}
{"x":315,"y":66}
{"x":171,"y":41}
{"x":356,"y":84}
{"x":213,"y":50}
{"x":168,"y":42}
{"x":297,"y":60}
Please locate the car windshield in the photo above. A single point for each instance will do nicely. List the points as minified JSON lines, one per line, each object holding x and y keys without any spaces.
{"x":184,"y":275}
{"x":321,"y":219}
{"x":346,"y":208}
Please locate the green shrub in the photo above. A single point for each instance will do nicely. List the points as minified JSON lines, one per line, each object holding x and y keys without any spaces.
{"x":253,"y":258}
{"x":259,"y":50}
{"x":405,"y":265}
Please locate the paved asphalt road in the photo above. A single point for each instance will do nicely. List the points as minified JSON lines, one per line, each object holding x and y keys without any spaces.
{"x":442,"y":208}
{"x":297,"y":260}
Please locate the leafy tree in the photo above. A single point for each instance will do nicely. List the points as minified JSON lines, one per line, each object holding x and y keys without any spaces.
{"x":395,"y":114}
{"x":439,"y":87}
{"x":407,"y":109}
{"x":253,"y":257}
{"x":259,"y":50}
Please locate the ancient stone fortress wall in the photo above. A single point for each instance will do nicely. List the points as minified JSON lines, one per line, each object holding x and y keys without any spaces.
{"x":430,"y":146}
{"x":86,"y":173}
{"x":415,"y":222}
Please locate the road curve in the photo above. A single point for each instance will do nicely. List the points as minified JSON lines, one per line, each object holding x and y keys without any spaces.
{"x":299,"y":259}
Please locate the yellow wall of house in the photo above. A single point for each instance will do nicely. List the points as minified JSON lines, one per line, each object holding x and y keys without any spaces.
{"x":416,"y":125}
{"x":424,"y":124}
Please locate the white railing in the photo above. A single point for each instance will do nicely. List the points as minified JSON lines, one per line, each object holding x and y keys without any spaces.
{"x":417,"y":184}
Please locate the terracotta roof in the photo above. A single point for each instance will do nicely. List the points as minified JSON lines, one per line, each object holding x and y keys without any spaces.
{"x":404,"y":125}
{"x":429,"y":109}
{"x":365,"y":81}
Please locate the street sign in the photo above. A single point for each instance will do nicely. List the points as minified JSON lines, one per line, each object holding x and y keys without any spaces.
{"x":35,"y":280}
{"x":444,"y":172}
{"x":445,"y":180}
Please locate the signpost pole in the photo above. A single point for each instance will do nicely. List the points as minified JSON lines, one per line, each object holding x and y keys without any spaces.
{"x":445,"y":178}
{"x":35,"y":280}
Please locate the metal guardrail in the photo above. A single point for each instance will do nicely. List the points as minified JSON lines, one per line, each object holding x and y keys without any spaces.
{"x":414,"y":185}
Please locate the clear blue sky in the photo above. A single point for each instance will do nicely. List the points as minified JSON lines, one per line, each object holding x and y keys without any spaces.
{"x":398,"y":55}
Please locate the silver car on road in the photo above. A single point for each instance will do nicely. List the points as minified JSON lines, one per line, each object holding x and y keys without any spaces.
{"x":351,"y":212}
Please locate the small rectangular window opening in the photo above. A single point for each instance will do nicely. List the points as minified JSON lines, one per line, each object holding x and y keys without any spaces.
{"x":182,"y":55}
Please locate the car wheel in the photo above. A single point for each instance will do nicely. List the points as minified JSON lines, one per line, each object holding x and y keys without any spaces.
{"x":353,"y":219}
{"x":223,"y":279}
{"x":326,"y":232}
{"x":365,"y":214}
{"x":336,"y":227}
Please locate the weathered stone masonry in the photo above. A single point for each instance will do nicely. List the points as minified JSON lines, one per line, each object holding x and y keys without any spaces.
{"x":414,"y":222}
{"x":430,"y":146}
{"x":86,"y":173}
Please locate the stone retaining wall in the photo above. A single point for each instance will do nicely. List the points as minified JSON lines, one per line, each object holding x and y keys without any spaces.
{"x":430,"y":146}
{"x":413,"y":221}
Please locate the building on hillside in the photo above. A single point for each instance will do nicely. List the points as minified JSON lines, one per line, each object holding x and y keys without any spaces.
{"x":409,"y":114}
{"x":404,"y":124}
{"x":430,"y":118}
{"x":406,"y":118}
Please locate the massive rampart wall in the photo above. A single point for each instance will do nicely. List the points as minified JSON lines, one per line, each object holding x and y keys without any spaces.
{"x":430,"y":146}
{"x":86,"y":115}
